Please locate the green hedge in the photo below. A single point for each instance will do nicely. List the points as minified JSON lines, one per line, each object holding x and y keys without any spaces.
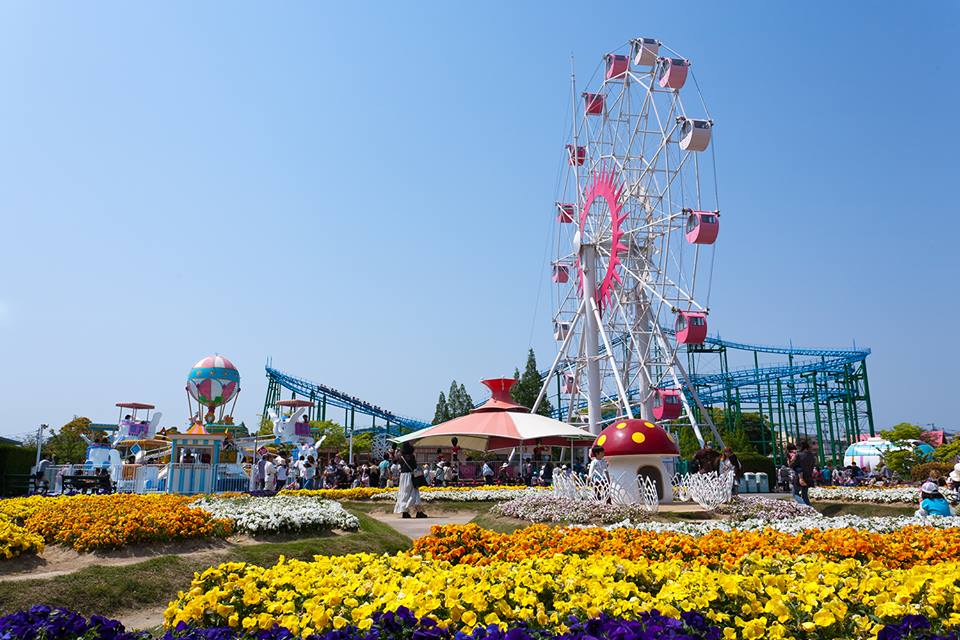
{"x":754,"y":462}
{"x":16,"y":463}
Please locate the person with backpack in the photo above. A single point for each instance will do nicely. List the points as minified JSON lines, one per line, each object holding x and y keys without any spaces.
{"x":802,"y":465}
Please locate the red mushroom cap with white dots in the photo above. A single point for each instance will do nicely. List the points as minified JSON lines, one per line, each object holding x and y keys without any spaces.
{"x":636,"y":438}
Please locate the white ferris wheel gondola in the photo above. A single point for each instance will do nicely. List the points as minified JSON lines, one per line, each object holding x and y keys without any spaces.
{"x":637,"y":215}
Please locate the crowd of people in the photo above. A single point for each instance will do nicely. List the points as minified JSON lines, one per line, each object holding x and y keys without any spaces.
{"x":839,"y":476}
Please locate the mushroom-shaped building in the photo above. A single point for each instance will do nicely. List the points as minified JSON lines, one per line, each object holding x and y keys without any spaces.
{"x":639,"y":448}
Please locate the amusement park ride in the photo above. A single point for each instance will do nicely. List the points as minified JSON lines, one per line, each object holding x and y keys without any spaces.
{"x":636,"y":221}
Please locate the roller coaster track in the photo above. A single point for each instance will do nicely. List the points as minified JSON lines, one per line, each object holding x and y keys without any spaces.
{"x":320,"y":393}
{"x":797,"y":382}
{"x":715,"y":388}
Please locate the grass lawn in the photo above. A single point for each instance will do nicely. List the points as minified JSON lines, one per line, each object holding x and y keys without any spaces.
{"x":108,"y":589}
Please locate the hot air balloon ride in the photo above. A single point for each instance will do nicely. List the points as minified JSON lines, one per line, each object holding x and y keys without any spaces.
{"x":214,"y":383}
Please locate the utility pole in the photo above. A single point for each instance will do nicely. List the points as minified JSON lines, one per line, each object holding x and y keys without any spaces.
{"x":39,"y":443}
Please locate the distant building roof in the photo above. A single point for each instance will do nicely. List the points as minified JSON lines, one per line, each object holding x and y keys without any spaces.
{"x":10,"y":441}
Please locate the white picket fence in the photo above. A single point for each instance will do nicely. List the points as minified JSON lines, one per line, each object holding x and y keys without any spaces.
{"x":709,"y":490}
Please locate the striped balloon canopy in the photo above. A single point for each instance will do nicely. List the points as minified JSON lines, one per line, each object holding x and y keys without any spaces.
{"x":213,"y":381}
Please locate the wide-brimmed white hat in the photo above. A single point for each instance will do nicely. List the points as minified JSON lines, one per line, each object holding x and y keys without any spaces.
{"x":955,"y":474}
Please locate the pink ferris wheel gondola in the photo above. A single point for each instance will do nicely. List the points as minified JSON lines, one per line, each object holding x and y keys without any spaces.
{"x":702,"y":226}
{"x":617,"y":66}
{"x":667,"y":404}
{"x":565,"y":212}
{"x":576,"y":154}
{"x":561,"y":273}
{"x":691,"y":327}
{"x":593,"y":104}
{"x":673,"y":72}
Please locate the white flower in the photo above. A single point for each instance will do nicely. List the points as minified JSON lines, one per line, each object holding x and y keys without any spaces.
{"x":883,"y":524}
{"x":470,"y":495}
{"x":544,"y":506}
{"x":876,"y":495}
{"x":279,"y":513}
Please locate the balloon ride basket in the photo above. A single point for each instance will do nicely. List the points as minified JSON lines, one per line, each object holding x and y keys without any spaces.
{"x":194,"y":459}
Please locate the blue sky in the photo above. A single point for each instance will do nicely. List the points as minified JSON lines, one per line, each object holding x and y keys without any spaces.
{"x":361,"y":191}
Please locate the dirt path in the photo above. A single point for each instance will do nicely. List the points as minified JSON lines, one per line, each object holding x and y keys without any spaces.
{"x":58,"y":561}
{"x":145,"y":619}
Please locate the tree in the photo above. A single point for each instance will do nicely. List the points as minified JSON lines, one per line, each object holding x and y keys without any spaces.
{"x":336,"y":437}
{"x":458,"y":402}
{"x":67,"y":446}
{"x":527,"y":388}
{"x":266,"y":427}
{"x":902,"y":431}
{"x":442,"y":412}
{"x":466,"y":399}
{"x":949,"y":452}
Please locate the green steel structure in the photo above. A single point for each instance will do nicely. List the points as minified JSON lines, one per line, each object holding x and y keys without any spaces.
{"x":822,"y":395}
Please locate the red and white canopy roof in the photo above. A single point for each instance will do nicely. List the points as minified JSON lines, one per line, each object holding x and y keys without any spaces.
{"x":499,"y":423}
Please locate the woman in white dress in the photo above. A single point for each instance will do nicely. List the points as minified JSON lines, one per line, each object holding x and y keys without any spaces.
{"x":408,"y":495}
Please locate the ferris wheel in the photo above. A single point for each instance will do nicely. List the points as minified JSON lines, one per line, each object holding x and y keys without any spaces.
{"x":636,"y":220}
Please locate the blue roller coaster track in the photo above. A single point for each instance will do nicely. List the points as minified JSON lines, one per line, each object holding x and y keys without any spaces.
{"x":823,"y":388}
{"x":327,"y":398}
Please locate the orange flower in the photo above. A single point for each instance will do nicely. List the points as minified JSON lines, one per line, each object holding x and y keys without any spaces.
{"x":902,"y":549}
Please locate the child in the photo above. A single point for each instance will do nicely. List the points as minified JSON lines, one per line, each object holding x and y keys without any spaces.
{"x":932,"y":503}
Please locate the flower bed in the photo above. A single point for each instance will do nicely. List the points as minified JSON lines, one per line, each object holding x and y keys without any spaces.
{"x":876,"y":495}
{"x":47,"y":623}
{"x":15,"y":540}
{"x":279,"y":513}
{"x":877,"y":524}
{"x":770,"y":509}
{"x":903,"y":548}
{"x":761,"y":597}
{"x":466,"y":494}
{"x":88,"y":522}
{"x":547,"y":506}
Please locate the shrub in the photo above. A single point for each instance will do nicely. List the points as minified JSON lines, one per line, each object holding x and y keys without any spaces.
{"x":922,"y":471}
{"x":755,"y":462}
{"x":14,"y":461}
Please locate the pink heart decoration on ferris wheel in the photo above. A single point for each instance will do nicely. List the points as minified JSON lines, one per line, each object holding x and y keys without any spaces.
{"x":604,"y":184}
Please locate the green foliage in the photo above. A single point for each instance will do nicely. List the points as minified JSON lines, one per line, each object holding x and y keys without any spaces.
{"x":459,"y":402}
{"x":266,"y":427}
{"x":67,"y":446}
{"x":336,"y":437}
{"x":442,"y":412}
{"x":922,"y":471}
{"x":687,"y":441}
{"x":901,"y":462}
{"x":15,"y":461}
{"x":528,"y":386}
{"x":902,"y":431}
{"x":754,"y":462}
{"x":465,"y":400}
{"x":948,"y":452}
{"x":362,"y":442}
